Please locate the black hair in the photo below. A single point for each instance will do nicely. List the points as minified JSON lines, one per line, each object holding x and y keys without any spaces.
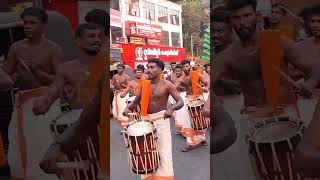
{"x":100,"y":17}
{"x":173,"y":63}
{"x":220,"y":14}
{"x":313,"y":10}
{"x":85,"y":26}
{"x":206,"y":65}
{"x":185,"y":62}
{"x":36,"y":12}
{"x":280,"y":6}
{"x":157,"y":61}
{"x":121,"y":65}
{"x":178,"y":66}
{"x":237,"y":4}
{"x":140,"y":66}
{"x":136,"y":70}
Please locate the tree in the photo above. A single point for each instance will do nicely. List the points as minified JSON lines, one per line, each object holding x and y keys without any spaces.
{"x":193,"y":13}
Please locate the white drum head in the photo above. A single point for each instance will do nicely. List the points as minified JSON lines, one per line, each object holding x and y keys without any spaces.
{"x":276,"y":131}
{"x":140,"y":128}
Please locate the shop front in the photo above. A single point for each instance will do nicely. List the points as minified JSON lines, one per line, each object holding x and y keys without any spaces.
{"x":133,"y":55}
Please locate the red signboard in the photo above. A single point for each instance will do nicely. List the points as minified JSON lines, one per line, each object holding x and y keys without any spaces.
{"x":143,"y":30}
{"x":141,"y":53}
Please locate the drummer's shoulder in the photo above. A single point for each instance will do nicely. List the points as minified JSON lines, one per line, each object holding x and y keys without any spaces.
{"x":19,"y":44}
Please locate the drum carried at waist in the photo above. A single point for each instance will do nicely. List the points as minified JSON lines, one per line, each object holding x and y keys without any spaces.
{"x":271,"y":144}
{"x":141,"y":141}
{"x":198,"y":121}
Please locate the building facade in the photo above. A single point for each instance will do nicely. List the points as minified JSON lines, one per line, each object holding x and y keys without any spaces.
{"x":142,"y":29}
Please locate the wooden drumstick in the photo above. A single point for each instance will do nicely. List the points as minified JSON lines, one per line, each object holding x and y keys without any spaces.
{"x":73,"y":165}
{"x":288,"y":78}
{"x":153,"y":118}
{"x":288,"y":11}
{"x":284,"y":75}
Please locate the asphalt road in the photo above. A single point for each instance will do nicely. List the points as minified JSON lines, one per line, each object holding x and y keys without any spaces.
{"x":191,"y":165}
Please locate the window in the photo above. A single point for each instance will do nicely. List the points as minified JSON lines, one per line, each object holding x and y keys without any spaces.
{"x":132,"y":7}
{"x":174,"y":17}
{"x":116,"y":32}
{"x":115,"y":5}
{"x":175,"y":39}
{"x":164,"y":38}
{"x":148,"y":10}
{"x":163,"y":14}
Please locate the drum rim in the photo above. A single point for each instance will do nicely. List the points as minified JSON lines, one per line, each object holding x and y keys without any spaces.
{"x":125,"y":129}
{"x":264,"y":122}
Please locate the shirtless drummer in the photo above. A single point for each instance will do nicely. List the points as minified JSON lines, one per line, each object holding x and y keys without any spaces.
{"x":73,"y":76}
{"x":33,"y":62}
{"x":158,"y":105}
{"x":193,"y":137}
{"x":134,"y":86}
{"x":120,"y":82}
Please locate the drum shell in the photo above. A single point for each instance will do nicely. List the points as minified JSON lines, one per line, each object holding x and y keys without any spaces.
{"x":199,"y":122}
{"x":136,"y":144}
{"x":284,"y":154}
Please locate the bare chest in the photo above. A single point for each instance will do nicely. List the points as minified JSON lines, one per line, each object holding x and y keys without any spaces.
{"x":35,"y":56}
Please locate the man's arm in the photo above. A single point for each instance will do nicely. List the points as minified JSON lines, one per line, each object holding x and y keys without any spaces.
{"x":86,"y":124}
{"x":174,"y":93}
{"x":10,"y":64}
{"x":307,"y":154}
{"x":223,"y":133}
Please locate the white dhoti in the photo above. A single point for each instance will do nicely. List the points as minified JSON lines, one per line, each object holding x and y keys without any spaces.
{"x":164,"y":144}
{"x":119,"y":104}
{"x":29,"y":137}
{"x":193,"y":137}
{"x":180,"y":114}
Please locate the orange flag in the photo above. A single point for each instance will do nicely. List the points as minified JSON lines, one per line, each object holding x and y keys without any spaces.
{"x":145,"y":97}
{"x":194,"y":82}
{"x":287,"y":31}
{"x":271,"y":54}
{"x":104,"y":145}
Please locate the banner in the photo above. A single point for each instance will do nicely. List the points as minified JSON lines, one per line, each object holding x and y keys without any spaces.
{"x":141,"y":53}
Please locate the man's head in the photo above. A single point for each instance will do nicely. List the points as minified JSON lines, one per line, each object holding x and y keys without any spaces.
{"x":140,"y":66}
{"x":178,"y":70}
{"x":138,"y":73}
{"x":173,"y":65}
{"x":207,"y":68}
{"x":88,"y":37}
{"x":313,"y":19}
{"x":154,"y":68}
{"x":186,"y":66}
{"x":221,"y":28}
{"x":34,"y":21}
{"x":243,"y":17}
{"x":100,"y":17}
{"x":120,"y":68}
{"x":277,"y":13}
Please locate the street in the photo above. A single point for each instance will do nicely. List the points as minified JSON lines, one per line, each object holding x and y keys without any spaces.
{"x":192,"y":165}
